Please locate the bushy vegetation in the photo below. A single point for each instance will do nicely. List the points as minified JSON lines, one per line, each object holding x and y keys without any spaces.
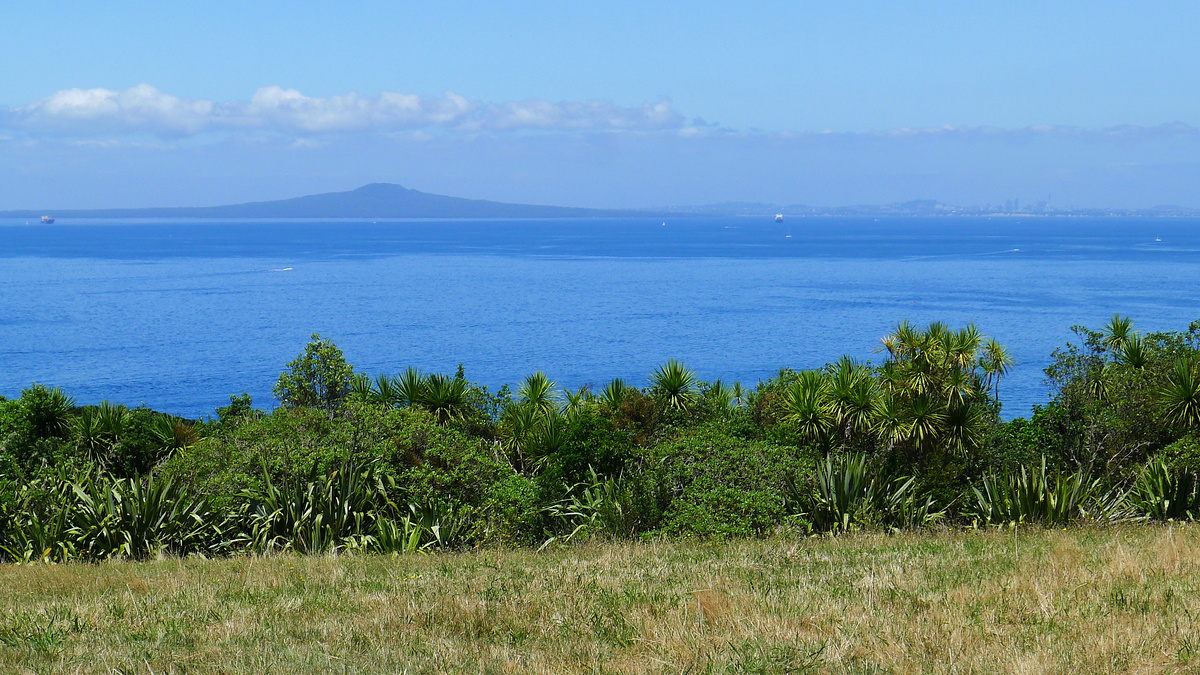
{"x":398,"y":463}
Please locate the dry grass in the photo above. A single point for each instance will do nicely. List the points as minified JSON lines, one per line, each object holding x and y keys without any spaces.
{"x":1118,"y":599}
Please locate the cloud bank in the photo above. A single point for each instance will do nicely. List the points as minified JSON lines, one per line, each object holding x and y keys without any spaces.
{"x":99,"y":148}
{"x":144,"y":110}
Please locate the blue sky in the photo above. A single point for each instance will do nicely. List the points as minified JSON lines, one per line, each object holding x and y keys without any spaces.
{"x":606,"y":104}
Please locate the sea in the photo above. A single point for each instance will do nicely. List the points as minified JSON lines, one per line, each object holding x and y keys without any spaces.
{"x":180,"y":314}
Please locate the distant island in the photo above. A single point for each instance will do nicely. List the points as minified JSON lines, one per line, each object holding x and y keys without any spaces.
{"x":377,"y":200}
{"x":388,"y":200}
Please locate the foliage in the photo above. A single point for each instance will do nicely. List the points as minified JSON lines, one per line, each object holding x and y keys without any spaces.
{"x":808,"y":407}
{"x":590,"y":443}
{"x":240,"y":408}
{"x":444,"y":396}
{"x":1180,"y":395}
{"x":340,"y":509}
{"x":675,"y":385}
{"x":845,"y":492}
{"x":537,"y":393}
{"x":934,"y":392}
{"x":848,"y":493}
{"x":597,"y":507}
{"x":318,"y":378}
{"x":414,"y":461}
{"x":704,"y":482}
{"x":1166,"y":493}
{"x":1120,"y":397}
{"x":98,"y":516}
{"x":409,"y":387}
{"x":613,"y":393}
{"x":48,"y":411}
{"x":1039,"y":497}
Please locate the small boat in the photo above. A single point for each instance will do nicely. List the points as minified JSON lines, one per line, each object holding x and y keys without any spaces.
{"x":46,"y":220}
{"x":779,"y":217}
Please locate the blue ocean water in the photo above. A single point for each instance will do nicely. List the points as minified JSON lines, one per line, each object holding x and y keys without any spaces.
{"x":181,"y":314}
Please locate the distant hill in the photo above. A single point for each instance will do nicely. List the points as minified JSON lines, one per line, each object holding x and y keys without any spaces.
{"x":377,"y":200}
{"x":387,"y":200}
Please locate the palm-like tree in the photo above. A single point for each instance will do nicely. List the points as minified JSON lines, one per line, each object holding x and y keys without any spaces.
{"x":1180,"y":395}
{"x":537,"y":391}
{"x":444,"y":396}
{"x":362,"y":387}
{"x":614,"y":393}
{"x":517,"y":422}
{"x":853,"y":395}
{"x":173,"y":434}
{"x":1117,"y":331}
{"x":576,"y":400}
{"x":88,"y":434}
{"x":112,"y":420}
{"x":996,"y":363}
{"x":964,"y":345}
{"x":720,"y":394}
{"x":807,"y":407}
{"x":410,"y":387}
{"x":675,"y":384}
{"x":548,"y":435}
{"x":964,"y":428}
{"x":933,"y":395}
{"x":924,"y":420}
{"x":48,"y":410}
{"x":1099,"y":382}
{"x":385,"y":391}
{"x":1134,"y":353}
{"x":98,"y":430}
{"x":739,"y":396}
{"x":533,"y":434}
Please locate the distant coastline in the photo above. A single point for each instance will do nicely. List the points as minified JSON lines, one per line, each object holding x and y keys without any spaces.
{"x":386,"y":200}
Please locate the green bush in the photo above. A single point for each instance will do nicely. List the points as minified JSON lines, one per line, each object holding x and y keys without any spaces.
{"x":1183,"y":454}
{"x":1166,"y":493}
{"x":1038,"y":496}
{"x":593,"y":443}
{"x":138,"y":449}
{"x":426,"y":463}
{"x":705,"y":482}
{"x":511,"y":513}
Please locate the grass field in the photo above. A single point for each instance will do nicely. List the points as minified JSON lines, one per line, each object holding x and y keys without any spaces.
{"x":1114,"y":599}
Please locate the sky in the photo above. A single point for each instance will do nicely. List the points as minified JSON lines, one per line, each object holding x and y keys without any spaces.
{"x":617,"y":104}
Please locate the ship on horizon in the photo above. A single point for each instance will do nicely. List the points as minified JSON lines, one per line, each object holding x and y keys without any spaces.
{"x":46,"y":220}
{"x":779,"y":217}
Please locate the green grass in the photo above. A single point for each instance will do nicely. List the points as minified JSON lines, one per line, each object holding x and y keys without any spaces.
{"x":1111,"y":599}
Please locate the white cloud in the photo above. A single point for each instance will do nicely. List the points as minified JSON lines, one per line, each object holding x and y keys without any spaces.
{"x":137,"y":109}
{"x":146,"y":110}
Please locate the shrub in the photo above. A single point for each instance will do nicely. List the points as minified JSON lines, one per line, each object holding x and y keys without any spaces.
{"x":1183,"y":454}
{"x":511,"y":513}
{"x":96,"y":516}
{"x":320,"y":377}
{"x":48,"y":411}
{"x":705,"y":482}
{"x":1166,"y":493}
{"x":424,"y":463}
{"x":1040,"y":497}
{"x":592,"y":443}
